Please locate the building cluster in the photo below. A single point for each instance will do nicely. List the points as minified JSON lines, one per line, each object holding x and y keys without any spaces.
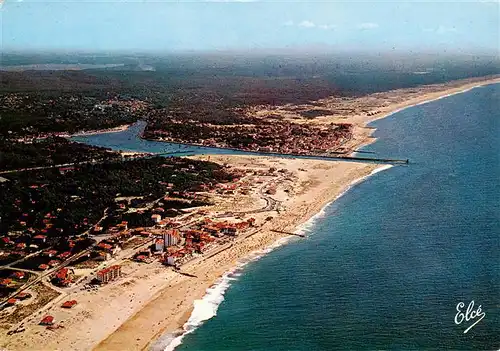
{"x":175,"y":242}
{"x":109,"y":247}
{"x":15,"y":278}
{"x":197,"y":238}
{"x":26,"y":239}
{"x":19,"y":297}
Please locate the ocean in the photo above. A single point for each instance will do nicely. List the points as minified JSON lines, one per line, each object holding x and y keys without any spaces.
{"x":384,"y":266}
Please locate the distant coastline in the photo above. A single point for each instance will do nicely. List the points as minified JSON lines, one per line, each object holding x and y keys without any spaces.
{"x":58,"y":67}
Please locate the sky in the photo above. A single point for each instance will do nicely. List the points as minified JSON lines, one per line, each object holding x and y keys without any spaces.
{"x":220,"y":25}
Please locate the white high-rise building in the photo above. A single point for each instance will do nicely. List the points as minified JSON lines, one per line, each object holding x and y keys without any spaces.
{"x":171,"y":237}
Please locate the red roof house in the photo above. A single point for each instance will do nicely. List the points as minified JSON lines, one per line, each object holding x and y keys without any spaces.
{"x":64,"y":255}
{"x":18,"y":275}
{"x":105,"y":247}
{"x":40,"y":238}
{"x":50,"y":253}
{"x":21,"y":246}
{"x":5,"y":282}
{"x":47,"y":320}
{"x":54,"y":263}
{"x":63,"y":277}
{"x":6,"y":240}
{"x":23,"y":295}
{"x":69,"y":304}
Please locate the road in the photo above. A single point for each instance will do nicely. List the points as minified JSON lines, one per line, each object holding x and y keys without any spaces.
{"x":94,"y":162}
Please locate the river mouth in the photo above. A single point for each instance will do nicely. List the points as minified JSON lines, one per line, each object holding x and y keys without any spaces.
{"x":129,"y":140}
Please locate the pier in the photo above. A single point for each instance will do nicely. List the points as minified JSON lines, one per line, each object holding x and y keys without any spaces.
{"x":364,"y":152}
{"x":377,"y":160}
{"x":287,"y":233}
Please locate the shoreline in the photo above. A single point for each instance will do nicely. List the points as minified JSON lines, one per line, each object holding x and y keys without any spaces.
{"x":426,"y":98}
{"x":213,"y":269}
{"x":168,"y":305}
{"x":117,"y":129}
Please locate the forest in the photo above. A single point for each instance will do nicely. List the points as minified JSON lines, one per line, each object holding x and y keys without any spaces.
{"x":48,"y":152}
{"x":76,"y":200}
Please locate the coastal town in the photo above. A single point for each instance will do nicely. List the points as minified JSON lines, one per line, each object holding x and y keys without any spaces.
{"x":45,"y":277}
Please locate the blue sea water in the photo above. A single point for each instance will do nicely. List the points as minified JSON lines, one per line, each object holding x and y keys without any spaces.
{"x":387,"y":264}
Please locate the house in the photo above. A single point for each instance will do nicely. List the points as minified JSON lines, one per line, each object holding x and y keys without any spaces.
{"x":105,"y":247}
{"x":64,"y":255}
{"x":23,"y":296}
{"x":21,"y":246}
{"x":63,"y":277}
{"x":43,"y":267}
{"x":69,"y":304}
{"x":102,"y":256}
{"x":54,"y":263}
{"x":4,"y":283}
{"x":64,"y":170}
{"x":211,"y":229}
{"x":47,"y":320}
{"x":141,"y":258}
{"x":122,"y":226}
{"x":199,"y":247}
{"x":50,"y":253}
{"x":229,"y":230}
{"x":18,"y":275}
{"x":6,"y":240}
{"x":156,"y":218}
{"x":11,"y":302}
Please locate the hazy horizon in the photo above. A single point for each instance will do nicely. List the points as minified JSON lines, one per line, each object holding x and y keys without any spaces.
{"x":198,"y":27}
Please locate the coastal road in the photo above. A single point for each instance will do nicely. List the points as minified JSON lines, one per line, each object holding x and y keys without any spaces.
{"x":70,"y":164}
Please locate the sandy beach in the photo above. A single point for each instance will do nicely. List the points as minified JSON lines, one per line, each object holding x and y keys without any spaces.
{"x":151,"y":300}
{"x":99,"y":131}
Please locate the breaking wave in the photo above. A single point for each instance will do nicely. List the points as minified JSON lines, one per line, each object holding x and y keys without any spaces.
{"x":206,"y":308}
